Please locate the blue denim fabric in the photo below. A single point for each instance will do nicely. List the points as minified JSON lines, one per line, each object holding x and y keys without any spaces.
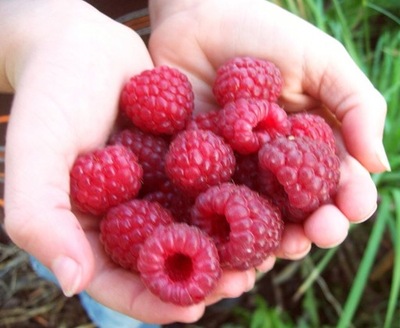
{"x":101,"y":316}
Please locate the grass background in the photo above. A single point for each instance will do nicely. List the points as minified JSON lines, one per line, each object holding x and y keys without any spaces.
{"x":354,"y":285}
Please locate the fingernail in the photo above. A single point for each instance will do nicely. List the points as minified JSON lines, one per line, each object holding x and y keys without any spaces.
{"x":382,"y":157}
{"x":366,"y":217}
{"x":250,"y":280}
{"x":298,"y":254}
{"x":68,"y":273}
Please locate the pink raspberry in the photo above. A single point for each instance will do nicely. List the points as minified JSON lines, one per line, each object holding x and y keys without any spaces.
{"x":205,"y":121}
{"x":150,"y":150}
{"x":245,"y":227}
{"x":104,"y":178}
{"x":312,"y":126}
{"x":159,"y":100}
{"x":173,"y":199}
{"x":247,"y":77}
{"x":246,"y":124}
{"x":179,"y":264}
{"x":198,"y":159}
{"x":307,"y":170}
{"x":126,"y":226}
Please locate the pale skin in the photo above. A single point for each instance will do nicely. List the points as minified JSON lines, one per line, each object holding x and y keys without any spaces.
{"x":66,"y":63}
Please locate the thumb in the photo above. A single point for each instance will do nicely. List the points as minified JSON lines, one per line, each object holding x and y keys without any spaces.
{"x":38,"y":217}
{"x":359,"y":107}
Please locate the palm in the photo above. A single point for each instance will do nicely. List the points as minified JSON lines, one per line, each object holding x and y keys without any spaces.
{"x":213,"y":34}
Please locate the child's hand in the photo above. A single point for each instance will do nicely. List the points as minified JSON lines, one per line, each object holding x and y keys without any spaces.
{"x":198,"y":36}
{"x":67,"y":71}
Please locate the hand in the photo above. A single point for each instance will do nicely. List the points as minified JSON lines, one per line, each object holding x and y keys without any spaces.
{"x":198,"y":36}
{"x":67,"y":64}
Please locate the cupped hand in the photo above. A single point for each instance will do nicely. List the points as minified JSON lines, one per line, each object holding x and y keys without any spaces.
{"x":198,"y":36}
{"x":67,"y":64}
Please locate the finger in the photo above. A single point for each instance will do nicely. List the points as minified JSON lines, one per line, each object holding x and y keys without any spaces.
{"x":267,"y":265}
{"x":327,"y":227}
{"x":357,"y":194}
{"x":123,"y":291}
{"x":294,"y":244}
{"x":232,"y":284}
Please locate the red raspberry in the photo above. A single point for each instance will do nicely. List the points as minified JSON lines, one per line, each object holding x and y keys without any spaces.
{"x":247,"y":77}
{"x":150,"y":150}
{"x":179,"y":264}
{"x":247,"y":171}
{"x":205,"y":121}
{"x":312,"y":126}
{"x":269,"y":186}
{"x":104,"y":178}
{"x":307,"y":169}
{"x":126,"y":226}
{"x":199,"y":159}
{"x":158,"y":100}
{"x":245,"y":227}
{"x":246,"y":124}
{"x":173,"y":199}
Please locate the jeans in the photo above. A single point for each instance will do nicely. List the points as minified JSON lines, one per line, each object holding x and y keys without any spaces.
{"x":101,"y":316}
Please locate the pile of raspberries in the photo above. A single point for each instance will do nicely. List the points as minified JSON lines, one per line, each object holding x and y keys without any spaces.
{"x":183,"y":196}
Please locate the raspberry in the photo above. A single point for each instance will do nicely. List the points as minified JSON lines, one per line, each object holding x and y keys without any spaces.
{"x":307,"y":170}
{"x":205,"y":121}
{"x":245,"y":227}
{"x":158,"y":100}
{"x":150,"y":150}
{"x":199,"y":159}
{"x":312,"y":126}
{"x":179,"y":264}
{"x":247,"y":171}
{"x":173,"y":199}
{"x":104,"y":178}
{"x":126,"y":226}
{"x":247,"y":77}
{"x":246,"y":124}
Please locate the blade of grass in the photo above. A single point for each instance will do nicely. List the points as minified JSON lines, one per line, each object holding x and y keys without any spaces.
{"x":317,"y":10}
{"x":395,"y":286}
{"x":310,"y":303}
{"x":315,"y":273}
{"x":385,"y":12}
{"x":346,"y":34}
{"x":367,"y":261}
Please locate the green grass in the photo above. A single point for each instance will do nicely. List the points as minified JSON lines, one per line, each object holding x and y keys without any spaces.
{"x":370,"y":31}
